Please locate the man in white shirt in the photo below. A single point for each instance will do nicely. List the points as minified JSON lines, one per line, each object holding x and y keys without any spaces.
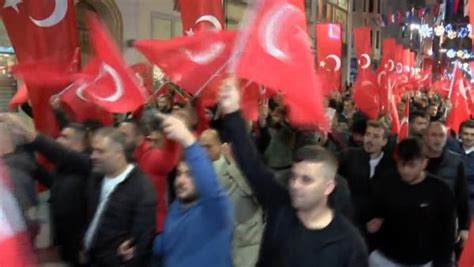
{"x":120,"y":199}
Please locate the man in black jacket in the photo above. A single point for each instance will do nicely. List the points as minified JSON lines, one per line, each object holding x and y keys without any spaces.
{"x":366,"y":166}
{"x":301,"y":228}
{"x":120,"y":199}
{"x":67,"y":189}
{"x":450,"y":167}
{"x":414,"y":214}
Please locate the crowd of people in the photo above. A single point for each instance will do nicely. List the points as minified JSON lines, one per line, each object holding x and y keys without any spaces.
{"x":157,"y":190}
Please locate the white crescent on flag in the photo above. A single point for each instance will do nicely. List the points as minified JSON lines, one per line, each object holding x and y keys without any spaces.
{"x":60,"y":11}
{"x":211,"y":19}
{"x":118,"y":84}
{"x":269,"y":32}
{"x":337,"y":60}
{"x":206,"y":56}
{"x":391,"y":64}
{"x":367,"y":63}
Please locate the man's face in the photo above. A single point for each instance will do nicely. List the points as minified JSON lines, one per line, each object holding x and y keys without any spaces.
{"x":155,"y":138}
{"x":71,"y":139}
{"x":132,"y":136}
{"x":277,"y":116}
{"x":106,"y":155}
{"x":374,"y":140}
{"x":358,"y":139}
{"x":163,"y":104}
{"x":184,"y":184}
{"x":435,"y":138}
{"x":308,"y":187}
{"x":433,"y":110}
{"x":411,"y":170}
{"x":467,"y":136}
{"x":418,"y":126}
{"x":212,"y":146}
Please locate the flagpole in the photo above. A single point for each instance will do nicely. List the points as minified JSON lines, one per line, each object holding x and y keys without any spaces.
{"x":453,"y":79}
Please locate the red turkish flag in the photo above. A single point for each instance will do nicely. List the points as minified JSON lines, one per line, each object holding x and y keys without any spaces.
{"x":191,"y":62}
{"x":395,"y":119}
{"x":363,"y":48}
{"x":274,"y":51}
{"x":198,"y":15}
{"x":144,"y":73}
{"x":77,"y":103}
{"x":386,"y":68}
{"x":20,"y":97}
{"x":42,"y":30}
{"x":366,"y":95}
{"x":329,"y":54}
{"x":116,"y":89}
{"x":460,"y":110}
{"x":404,"y":128}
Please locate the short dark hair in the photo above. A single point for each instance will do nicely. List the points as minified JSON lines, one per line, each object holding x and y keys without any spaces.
{"x":318,"y":154}
{"x":379,"y":125}
{"x":409,"y":149}
{"x":467,"y":124}
{"x":118,"y":138}
{"x":417,"y":114}
{"x":81,"y":131}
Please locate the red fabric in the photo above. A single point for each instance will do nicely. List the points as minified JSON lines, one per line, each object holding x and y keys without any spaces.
{"x":20,"y":97}
{"x":386,"y":68}
{"x":144,"y":73}
{"x":363,"y":48}
{"x":329,"y":54}
{"x":276,"y":53}
{"x":366,"y":95}
{"x":395,"y":119}
{"x":249,"y":102}
{"x":198,"y":15}
{"x":157,"y":164}
{"x":44,"y":40}
{"x":467,"y":256}
{"x":191,"y":62}
{"x":116,"y":88}
{"x":460,"y":110}
{"x":404,"y":128}
{"x":15,"y":248}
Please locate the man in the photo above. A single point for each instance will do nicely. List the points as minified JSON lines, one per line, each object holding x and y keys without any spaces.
{"x":68,"y":190}
{"x":414,"y":215}
{"x":248,"y":213}
{"x":164,"y":104}
{"x":120,"y":199}
{"x":198,"y":227}
{"x":301,"y":229}
{"x":466,"y":148}
{"x":365,"y":167}
{"x":418,"y":121}
{"x":450,"y":167}
{"x":156,"y":159}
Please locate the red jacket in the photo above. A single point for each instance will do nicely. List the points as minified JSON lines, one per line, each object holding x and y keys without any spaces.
{"x":157,"y":163}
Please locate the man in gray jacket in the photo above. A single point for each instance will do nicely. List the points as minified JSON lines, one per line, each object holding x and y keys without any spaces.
{"x":248,"y":213}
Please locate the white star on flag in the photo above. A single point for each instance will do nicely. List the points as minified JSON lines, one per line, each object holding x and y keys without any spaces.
{"x":13,"y":4}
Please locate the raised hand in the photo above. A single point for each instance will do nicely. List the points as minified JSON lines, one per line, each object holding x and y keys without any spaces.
{"x":229,"y":96}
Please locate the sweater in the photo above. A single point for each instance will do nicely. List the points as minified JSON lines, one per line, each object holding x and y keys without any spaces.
{"x":199,"y":235}
{"x":418,"y":224}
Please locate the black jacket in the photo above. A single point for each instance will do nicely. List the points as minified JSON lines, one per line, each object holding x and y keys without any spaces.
{"x":129,"y":213}
{"x":340,"y":245}
{"x":450,"y":167}
{"x":354,"y":166}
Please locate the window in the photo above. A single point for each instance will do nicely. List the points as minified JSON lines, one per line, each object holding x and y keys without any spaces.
{"x":354,"y":4}
{"x":371,"y":6}
{"x":379,"y":6}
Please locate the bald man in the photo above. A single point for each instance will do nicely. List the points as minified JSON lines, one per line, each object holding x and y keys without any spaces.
{"x":448,"y":166}
{"x":248,"y":213}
